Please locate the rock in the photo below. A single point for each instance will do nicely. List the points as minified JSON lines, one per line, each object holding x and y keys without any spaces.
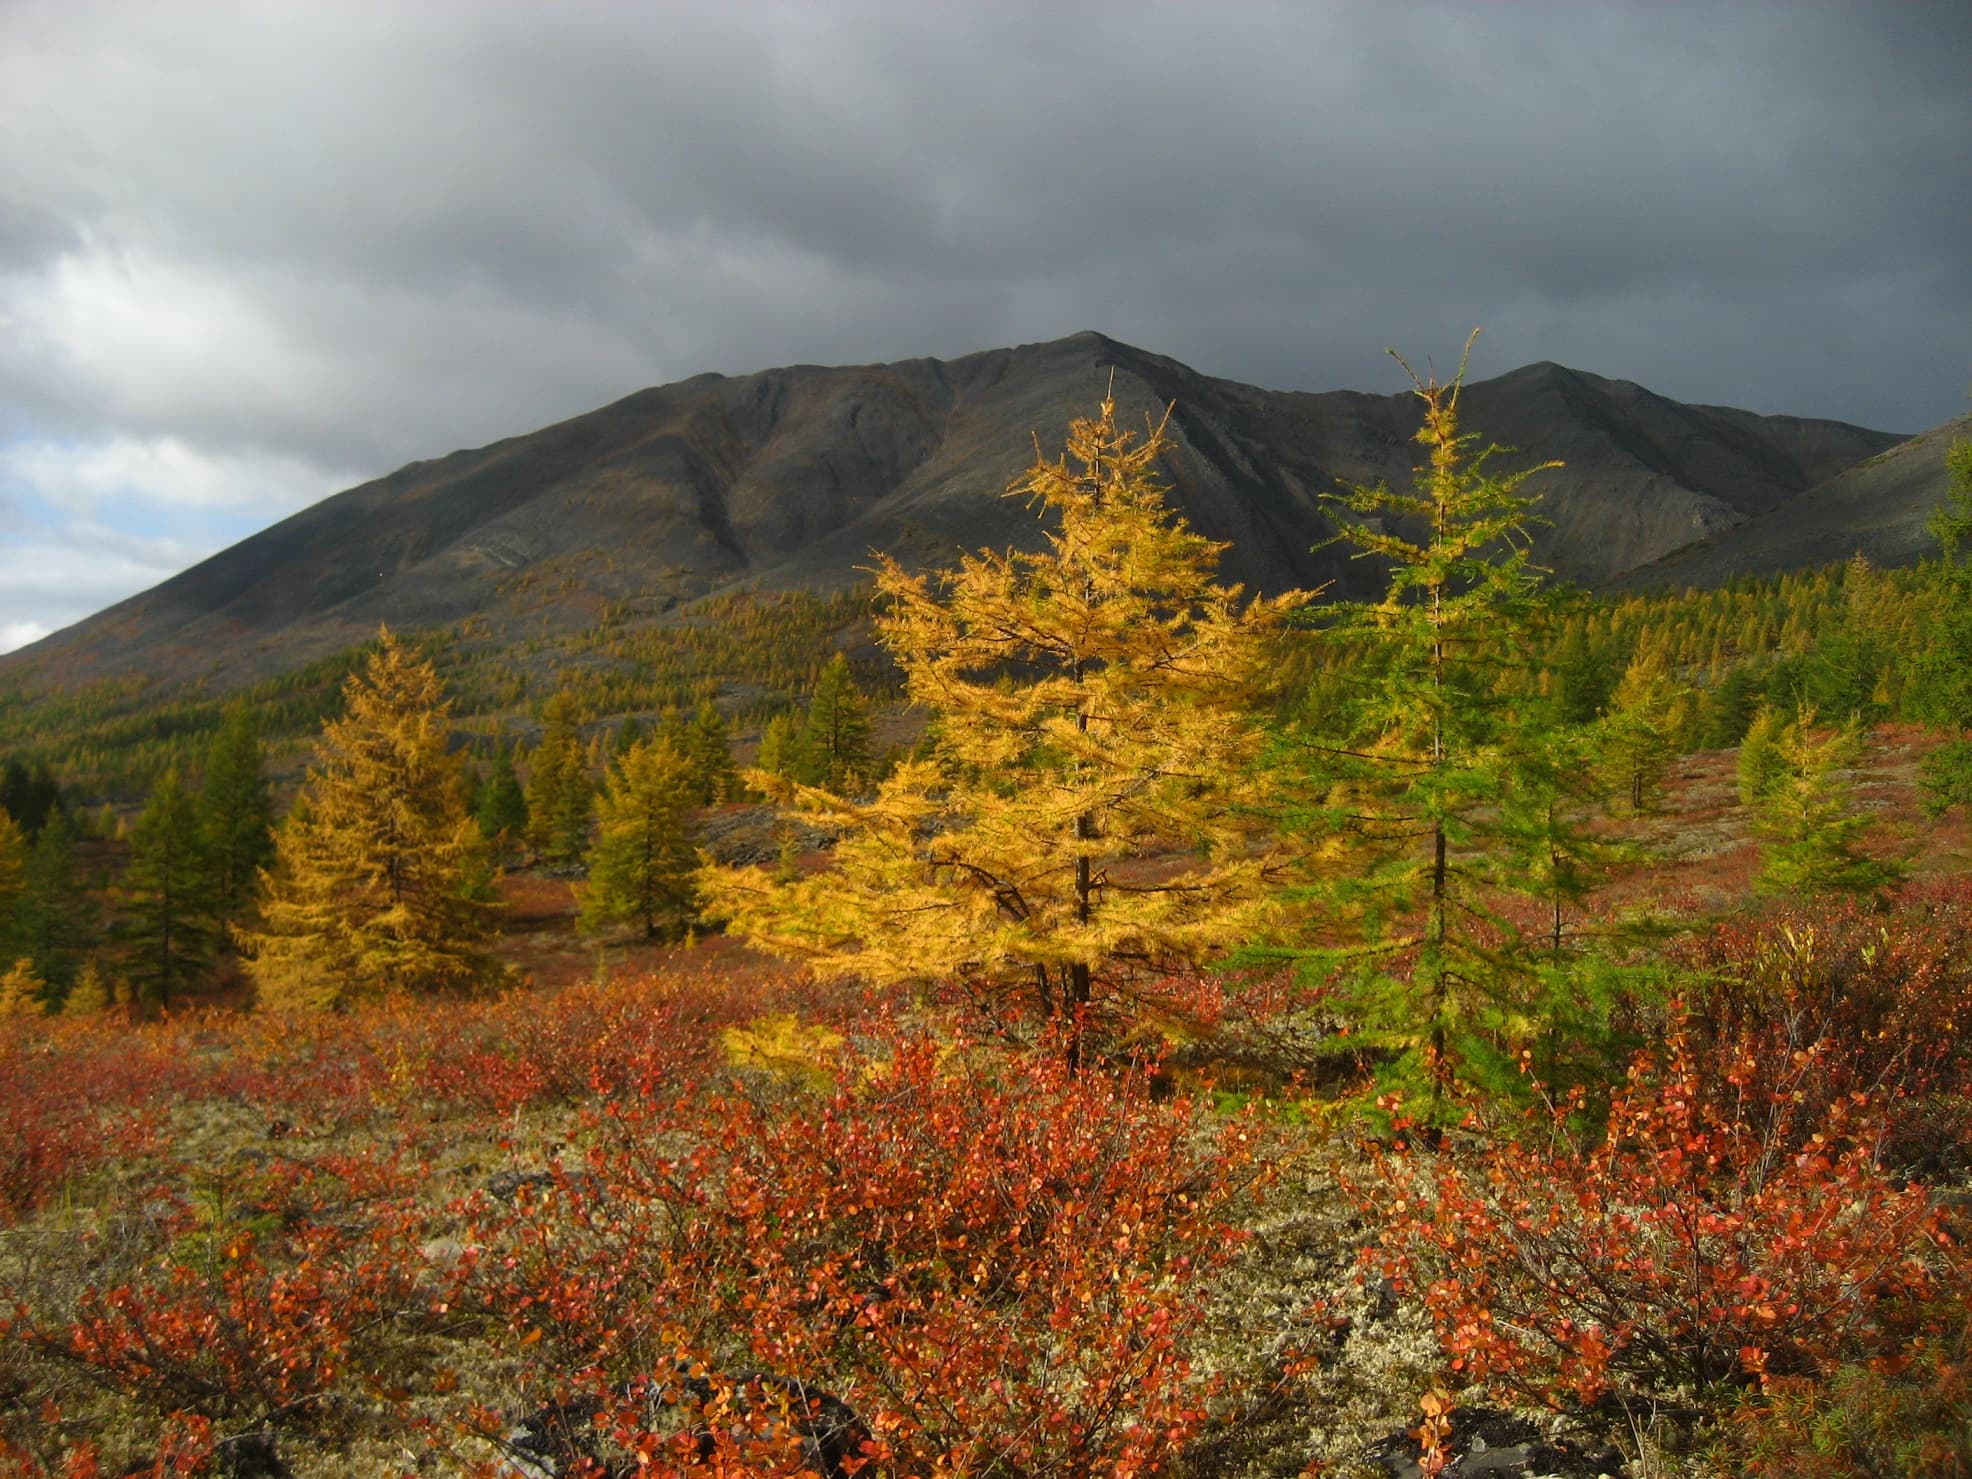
{"x":1488,"y":1442}
{"x":560,"y":1438}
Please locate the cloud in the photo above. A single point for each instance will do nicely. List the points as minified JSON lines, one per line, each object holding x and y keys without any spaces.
{"x":19,"y":633}
{"x":320,"y":240}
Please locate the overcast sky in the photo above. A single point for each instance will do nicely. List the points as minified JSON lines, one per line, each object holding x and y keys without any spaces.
{"x":254,"y":253}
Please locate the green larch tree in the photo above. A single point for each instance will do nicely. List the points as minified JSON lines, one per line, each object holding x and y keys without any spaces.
{"x":166,"y":918}
{"x":1805,"y":813}
{"x":1085,"y":815}
{"x":1942,"y":683}
{"x":641,"y":869}
{"x":236,"y":812}
{"x":707,"y":746}
{"x":57,"y":915}
{"x":1431,"y":789}
{"x":378,"y":882}
{"x":837,"y":749}
{"x":13,"y":883}
{"x":502,"y":809}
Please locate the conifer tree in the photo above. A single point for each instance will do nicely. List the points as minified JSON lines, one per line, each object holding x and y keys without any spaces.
{"x":641,"y":867}
{"x":167,"y":914}
{"x":13,"y":884}
{"x":91,"y":994}
{"x":378,"y":879}
{"x":1809,"y":827}
{"x":707,"y":746}
{"x":1432,"y":793}
{"x":502,"y":809}
{"x":236,"y":812}
{"x":1760,"y":764}
{"x":560,"y":797}
{"x":837,"y":752}
{"x":782,"y":751}
{"x":1943,"y":681}
{"x":1093,"y":709}
{"x":22,"y":992}
{"x":1639,"y":733}
{"x":56,"y":914}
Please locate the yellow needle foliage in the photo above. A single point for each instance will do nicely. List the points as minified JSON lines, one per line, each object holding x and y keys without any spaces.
{"x":376,"y":870}
{"x":1084,"y":812}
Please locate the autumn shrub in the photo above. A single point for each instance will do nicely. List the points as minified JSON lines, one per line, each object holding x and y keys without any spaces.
{"x":1883,"y":999}
{"x":994,"y":1263}
{"x":1729,"y":1221}
{"x":221,"y":1306}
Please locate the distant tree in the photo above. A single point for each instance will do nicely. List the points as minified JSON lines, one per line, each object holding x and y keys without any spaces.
{"x":91,"y":994}
{"x":1809,"y":827}
{"x":57,"y":917}
{"x":236,"y":812}
{"x":378,"y":882}
{"x":22,"y":992}
{"x":641,"y":867}
{"x":29,"y":796}
{"x":502,"y":810}
{"x":1639,"y":733}
{"x":709,"y":749}
{"x":782,"y":749}
{"x":1760,"y":763}
{"x":14,"y":854}
{"x":1728,"y":707}
{"x":629,"y":734}
{"x":1943,"y":682}
{"x":166,"y":924}
{"x":1098,"y":707}
{"x":560,"y":795}
{"x":837,"y":753}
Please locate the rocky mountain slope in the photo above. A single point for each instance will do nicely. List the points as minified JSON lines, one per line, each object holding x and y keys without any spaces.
{"x":789,"y":478}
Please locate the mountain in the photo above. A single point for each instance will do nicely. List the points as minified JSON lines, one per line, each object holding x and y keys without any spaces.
{"x":1877,"y":508}
{"x":789,"y":478}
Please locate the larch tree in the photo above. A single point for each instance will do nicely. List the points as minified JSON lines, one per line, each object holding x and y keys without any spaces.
{"x":837,"y":750}
{"x":57,"y":914}
{"x":1943,"y":680}
{"x":1432,"y":792}
{"x":236,"y":812}
{"x":1804,"y":809}
{"x":378,"y":881}
{"x":1084,"y":814}
{"x":707,"y":746}
{"x":502,"y":809}
{"x":560,"y":797}
{"x":13,"y":883}
{"x":166,"y":922}
{"x":640,"y":870}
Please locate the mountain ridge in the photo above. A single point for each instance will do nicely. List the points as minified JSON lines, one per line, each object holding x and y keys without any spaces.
{"x":788,"y":478}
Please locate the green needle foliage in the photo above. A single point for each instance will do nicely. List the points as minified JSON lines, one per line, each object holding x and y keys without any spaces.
{"x":641,"y":868}
{"x":236,"y":812}
{"x":167,"y":924}
{"x":1944,"y":676}
{"x":1433,"y":791}
{"x":836,"y":752}
{"x":1804,"y":808}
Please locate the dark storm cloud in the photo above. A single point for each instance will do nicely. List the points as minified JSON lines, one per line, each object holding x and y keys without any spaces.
{"x":307,"y":244}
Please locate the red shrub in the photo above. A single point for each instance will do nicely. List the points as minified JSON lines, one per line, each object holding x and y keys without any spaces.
{"x":1731,"y":1221}
{"x":994,"y":1265}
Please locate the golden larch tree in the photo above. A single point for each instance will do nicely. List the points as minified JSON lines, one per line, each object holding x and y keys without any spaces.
{"x":378,"y":878}
{"x":1083,"y":815}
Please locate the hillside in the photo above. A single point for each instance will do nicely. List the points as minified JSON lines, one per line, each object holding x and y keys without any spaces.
{"x":787,"y":479}
{"x":1878,"y":508}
